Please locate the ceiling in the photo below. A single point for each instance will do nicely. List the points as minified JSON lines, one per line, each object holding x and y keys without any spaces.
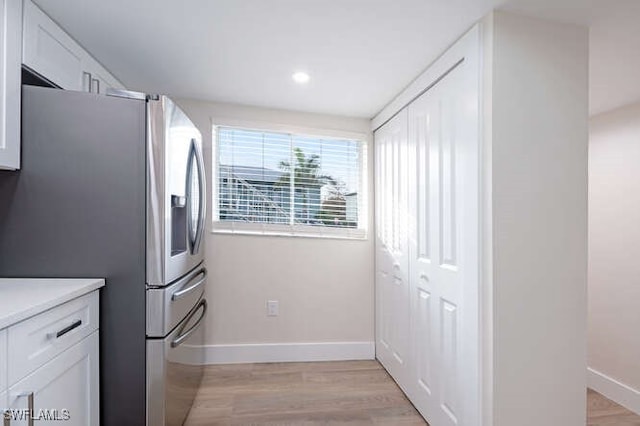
{"x":359,"y":53}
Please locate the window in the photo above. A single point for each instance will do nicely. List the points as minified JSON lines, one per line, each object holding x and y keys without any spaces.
{"x":281,"y":183}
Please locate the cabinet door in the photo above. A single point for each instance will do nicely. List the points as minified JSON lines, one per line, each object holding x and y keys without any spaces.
{"x":49,"y":51}
{"x":64,"y":388}
{"x":392,"y":274}
{"x":10,"y":59}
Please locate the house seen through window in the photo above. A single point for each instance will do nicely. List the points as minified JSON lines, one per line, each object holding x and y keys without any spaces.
{"x":287,"y":182}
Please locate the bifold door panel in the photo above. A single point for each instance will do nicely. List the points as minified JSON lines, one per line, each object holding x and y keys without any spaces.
{"x":393,"y":249}
{"x":427,"y":184}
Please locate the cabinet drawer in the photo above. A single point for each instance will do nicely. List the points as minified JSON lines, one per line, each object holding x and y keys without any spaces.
{"x":38,"y":339}
{"x":166,"y":306}
{"x":3,"y":365}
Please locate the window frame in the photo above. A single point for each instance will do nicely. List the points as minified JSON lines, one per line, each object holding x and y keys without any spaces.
{"x":288,"y":230}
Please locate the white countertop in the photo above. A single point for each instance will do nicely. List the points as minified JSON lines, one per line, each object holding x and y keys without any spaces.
{"x":21,"y":298}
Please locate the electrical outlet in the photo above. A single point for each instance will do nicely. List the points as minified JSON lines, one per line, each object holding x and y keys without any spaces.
{"x":272,"y":308}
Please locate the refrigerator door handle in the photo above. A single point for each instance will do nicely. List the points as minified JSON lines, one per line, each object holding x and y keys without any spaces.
{"x":185,"y":291}
{"x":184,"y":336}
{"x":203,"y":197}
{"x":196,"y":153}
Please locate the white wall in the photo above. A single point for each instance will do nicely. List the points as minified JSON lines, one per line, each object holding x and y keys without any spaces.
{"x":324,"y":286}
{"x":536,"y":146}
{"x":614,"y":253}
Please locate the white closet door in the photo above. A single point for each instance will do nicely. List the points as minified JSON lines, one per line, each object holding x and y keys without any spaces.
{"x":443,"y":201}
{"x":392,"y":257}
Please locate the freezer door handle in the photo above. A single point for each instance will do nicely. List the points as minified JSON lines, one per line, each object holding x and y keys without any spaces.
{"x":184,"y":336}
{"x":189,"y":288}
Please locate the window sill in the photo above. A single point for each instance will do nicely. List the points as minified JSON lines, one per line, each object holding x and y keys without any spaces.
{"x":260,"y":230}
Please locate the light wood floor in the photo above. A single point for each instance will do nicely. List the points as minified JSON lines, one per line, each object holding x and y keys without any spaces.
{"x":604,"y":412}
{"x":314,"y":393}
{"x":321,"y":393}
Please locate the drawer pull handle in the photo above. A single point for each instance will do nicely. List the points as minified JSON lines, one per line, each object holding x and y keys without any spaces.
{"x":184,"y":336}
{"x":86,"y":81}
{"x":185,"y":291}
{"x":31,"y":402}
{"x":31,"y":406}
{"x":95,"y":85}
{"x":67,"y":329}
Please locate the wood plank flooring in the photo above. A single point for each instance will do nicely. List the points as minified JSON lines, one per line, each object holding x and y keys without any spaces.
{"x":604,"y":412}
{"x":314,"y":393}
{"x":327,"y":393}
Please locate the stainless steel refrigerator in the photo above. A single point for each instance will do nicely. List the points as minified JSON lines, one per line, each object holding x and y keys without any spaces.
{"x":114,"y":187}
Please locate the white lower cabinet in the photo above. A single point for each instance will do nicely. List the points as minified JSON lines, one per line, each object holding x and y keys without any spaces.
{"x":65,"y":388}
{"x":49,"y":359}
{"x":3,"y":365}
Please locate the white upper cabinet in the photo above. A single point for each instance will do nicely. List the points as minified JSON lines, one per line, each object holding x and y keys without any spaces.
{"x":49,"y":51}
{"x":10,"y":55}
{"x":29,"y":37}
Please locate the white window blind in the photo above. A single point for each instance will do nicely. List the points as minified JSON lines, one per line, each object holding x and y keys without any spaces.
{"x":271,"y":182}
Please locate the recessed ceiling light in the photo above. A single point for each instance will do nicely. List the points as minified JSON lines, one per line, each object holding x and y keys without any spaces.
{"x":300,"y":77}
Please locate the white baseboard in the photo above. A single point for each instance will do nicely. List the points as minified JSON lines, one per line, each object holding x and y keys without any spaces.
{"x":277,"y":352}
{"x":616,"y":391}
